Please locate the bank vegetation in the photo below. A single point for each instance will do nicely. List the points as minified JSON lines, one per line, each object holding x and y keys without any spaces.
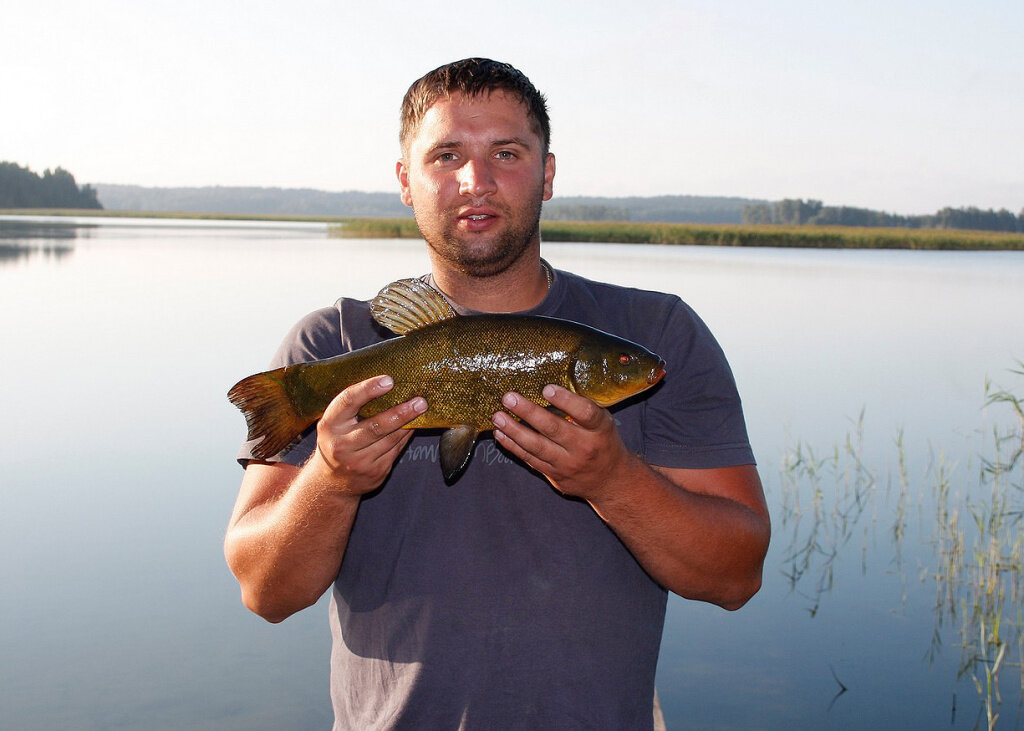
{"x":635,"y":232}
{"x":806,"y":237}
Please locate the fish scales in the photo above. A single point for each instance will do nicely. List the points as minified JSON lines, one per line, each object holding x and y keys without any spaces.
{"x":464,"y":366}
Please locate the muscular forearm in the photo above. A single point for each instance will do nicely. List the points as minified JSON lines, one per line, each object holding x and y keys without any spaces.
{"x":287,"y":551}
{"x":702,"y":533}
{"x":700,"y":546}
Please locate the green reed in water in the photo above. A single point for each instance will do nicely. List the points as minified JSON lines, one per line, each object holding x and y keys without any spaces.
{"x":978,"y":567}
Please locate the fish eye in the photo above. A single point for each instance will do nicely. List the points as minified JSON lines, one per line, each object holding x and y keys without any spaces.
{"x":625,"y":359}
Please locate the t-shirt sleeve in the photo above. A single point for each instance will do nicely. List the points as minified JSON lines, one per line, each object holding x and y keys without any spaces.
{"x":695,"y":419}
{"x":314,"y":337}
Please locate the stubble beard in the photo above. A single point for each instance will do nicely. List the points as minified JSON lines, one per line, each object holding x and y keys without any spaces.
{"x":482,"y":261}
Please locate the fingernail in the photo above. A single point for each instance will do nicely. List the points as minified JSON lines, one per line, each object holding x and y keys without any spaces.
{"x":510,"y":400}
{"x":499,"y":420}
{"x":419,"y":404}
{"x":386,"y":382}
{"x":548,"y":391}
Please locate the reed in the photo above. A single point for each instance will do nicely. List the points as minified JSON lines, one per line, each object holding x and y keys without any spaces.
{"x":837,"y":487}
{"x":816,"y":237}
{"x":978,"y":541}
{"x":813,"y":237}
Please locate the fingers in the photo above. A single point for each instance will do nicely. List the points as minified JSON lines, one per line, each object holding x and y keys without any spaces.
{"x":540,"y":438}
{"x":346,"y":404}
{"x":575,"y":454}
{"x":581,"y":410}
{"x":362,"y":452}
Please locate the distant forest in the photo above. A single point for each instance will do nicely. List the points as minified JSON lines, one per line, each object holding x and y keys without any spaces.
{"x":661,"y":209}
{"x":22,"y":188}
{"x":309,"y":202}
{"x":798,"y":212}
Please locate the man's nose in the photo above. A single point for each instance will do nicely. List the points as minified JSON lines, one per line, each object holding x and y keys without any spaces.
{"x":476,"y":179}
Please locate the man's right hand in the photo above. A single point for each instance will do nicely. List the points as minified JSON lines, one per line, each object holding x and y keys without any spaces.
{"x":360,"y":453}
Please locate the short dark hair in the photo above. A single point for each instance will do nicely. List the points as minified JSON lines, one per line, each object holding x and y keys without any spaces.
{"x":473,"y":77}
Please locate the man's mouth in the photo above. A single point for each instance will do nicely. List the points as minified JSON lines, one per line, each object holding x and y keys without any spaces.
{"x":478,"y":221}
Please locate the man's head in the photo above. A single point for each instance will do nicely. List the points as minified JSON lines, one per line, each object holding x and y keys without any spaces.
{"x":473,"y":77}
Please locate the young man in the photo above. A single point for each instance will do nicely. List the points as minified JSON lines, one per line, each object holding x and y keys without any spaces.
{"x":531,"y":593}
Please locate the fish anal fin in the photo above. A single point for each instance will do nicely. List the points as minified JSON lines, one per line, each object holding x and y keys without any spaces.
{"x":456,"y":449}
{"x":410,"y":304}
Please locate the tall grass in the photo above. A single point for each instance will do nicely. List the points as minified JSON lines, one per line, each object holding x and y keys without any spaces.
{"x":978,"y":539}
{"x":817,"y":237}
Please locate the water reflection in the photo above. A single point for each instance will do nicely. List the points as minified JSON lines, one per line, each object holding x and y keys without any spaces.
{"x":24,"y":239}
{"x":12,"y":253}
{"x":973,"y":553}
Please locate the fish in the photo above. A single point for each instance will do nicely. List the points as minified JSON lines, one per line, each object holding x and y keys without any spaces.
{"x":461,"y":364}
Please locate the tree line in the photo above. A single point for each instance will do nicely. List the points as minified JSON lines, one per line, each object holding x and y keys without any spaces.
{"x":798,"y":212}
{"x":22,"y":188}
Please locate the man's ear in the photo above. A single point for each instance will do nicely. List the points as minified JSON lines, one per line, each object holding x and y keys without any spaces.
{"x":402,"y":173}
{"x":549,"y":176}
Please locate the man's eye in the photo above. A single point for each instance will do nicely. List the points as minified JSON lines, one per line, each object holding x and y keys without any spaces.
{"x":506,"y":155}
{"x":446,"y":157}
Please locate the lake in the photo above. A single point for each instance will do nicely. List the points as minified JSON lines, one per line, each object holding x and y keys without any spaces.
{"x":894,"y":578}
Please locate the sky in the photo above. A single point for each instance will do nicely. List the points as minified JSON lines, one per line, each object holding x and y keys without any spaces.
{"x":899,"y":106}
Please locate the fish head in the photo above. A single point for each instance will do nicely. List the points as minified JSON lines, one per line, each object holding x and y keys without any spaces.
{"x":608,"y":369}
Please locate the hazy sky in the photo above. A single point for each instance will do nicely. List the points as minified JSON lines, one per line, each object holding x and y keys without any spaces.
{"x":898,"y":105}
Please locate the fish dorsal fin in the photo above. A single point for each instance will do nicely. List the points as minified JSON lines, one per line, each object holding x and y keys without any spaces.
{"x":408,"y":305}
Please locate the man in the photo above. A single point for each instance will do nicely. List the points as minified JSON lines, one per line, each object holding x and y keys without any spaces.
{"x":531,"y":593}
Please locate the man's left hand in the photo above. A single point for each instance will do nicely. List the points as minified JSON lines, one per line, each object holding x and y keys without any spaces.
{"x":577,"y":455}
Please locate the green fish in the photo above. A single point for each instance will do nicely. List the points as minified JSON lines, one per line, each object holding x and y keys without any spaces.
{"x":462,"y":366}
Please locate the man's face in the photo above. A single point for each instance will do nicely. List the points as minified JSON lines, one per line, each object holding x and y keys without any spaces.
{"x":475,"y":174}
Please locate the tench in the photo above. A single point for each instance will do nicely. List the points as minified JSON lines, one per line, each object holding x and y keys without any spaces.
{"x":462,"y":366}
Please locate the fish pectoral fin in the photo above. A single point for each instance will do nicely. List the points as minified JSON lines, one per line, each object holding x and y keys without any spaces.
{"x":456,"y":448}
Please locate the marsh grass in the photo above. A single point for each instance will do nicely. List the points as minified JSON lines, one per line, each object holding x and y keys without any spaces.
{"x":807,"y":237}
{"x":976,"y":545}
{"x":629,"y":232}
{"x":823,"y":500}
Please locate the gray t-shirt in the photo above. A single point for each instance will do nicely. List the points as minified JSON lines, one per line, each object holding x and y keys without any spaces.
{"x":496,"y":602}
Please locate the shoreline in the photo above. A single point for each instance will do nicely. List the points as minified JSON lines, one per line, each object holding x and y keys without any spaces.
{"x":627,"y":232}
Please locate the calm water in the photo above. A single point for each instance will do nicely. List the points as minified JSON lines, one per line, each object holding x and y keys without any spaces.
{"x":117,"y":477}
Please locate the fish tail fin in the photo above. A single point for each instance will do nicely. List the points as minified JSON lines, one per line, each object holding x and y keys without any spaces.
{"x":268,"y":412}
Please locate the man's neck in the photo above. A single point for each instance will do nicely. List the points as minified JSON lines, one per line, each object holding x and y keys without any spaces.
{"x":521,"y":287}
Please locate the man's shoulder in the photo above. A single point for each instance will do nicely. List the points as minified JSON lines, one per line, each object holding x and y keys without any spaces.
{"x":607,"y":302}
{"x":329,"y":331}
{"x":609,"y":292}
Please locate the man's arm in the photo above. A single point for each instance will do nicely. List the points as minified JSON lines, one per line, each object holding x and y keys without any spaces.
{"x":703,"y":534}
{"x":290,"y":525}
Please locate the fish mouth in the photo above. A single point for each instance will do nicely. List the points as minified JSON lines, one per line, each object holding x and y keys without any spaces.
{"x":657,"y":373}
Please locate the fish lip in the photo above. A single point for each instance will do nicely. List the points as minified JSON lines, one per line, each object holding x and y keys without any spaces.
{"x":657,"y":373}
